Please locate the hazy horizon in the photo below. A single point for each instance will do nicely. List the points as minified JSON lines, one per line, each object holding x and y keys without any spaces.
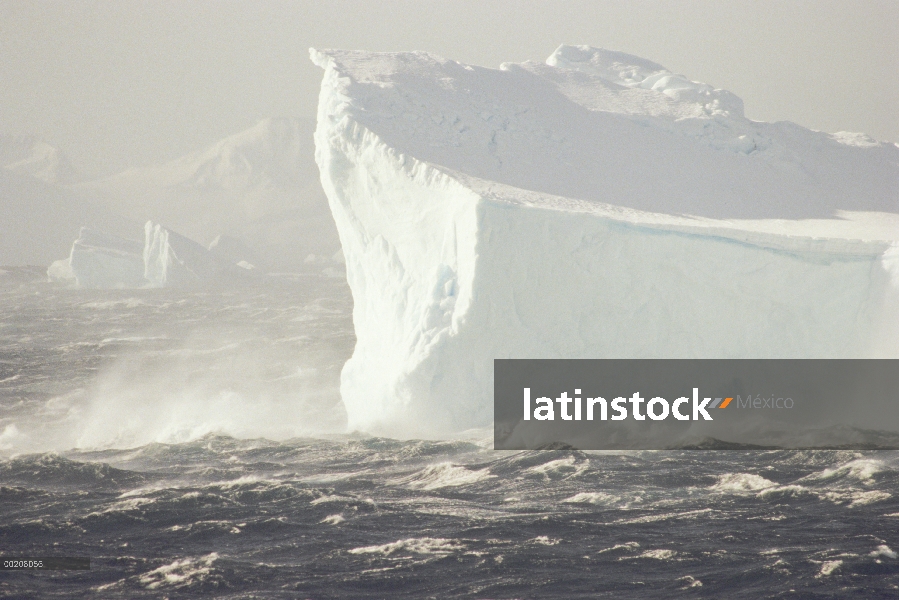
{"x":123,"y":84}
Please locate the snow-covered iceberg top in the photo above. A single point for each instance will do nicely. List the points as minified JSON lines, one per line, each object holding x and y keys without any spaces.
{"x":594,"y":206}
{"x":692,"y":99}
{"x":607,"y":127}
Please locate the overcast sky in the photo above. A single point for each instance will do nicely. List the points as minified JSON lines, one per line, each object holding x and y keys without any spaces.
{"x":126,"y":83}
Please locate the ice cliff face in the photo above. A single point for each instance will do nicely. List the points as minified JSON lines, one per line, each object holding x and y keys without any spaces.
{"x":594,"y":206}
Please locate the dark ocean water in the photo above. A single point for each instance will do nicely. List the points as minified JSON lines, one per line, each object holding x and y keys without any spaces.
{"x":200,"y":503}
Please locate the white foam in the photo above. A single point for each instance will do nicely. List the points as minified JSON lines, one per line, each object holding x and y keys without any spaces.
{"x":628,"y":547}
{"x":660,"y":554}
{"x":829,"y":484}
{"x":828,"y":567}
{"x":884,"y":550}
{"x":742,"y":482}
{"x":327,"y":499}
{"x":180,"y":573}
{"x":10,"y":437}
{"x":663,"y":516}
{"x":424,"y":545}
{"x":442,"y":475}
{"x":543,"y":540}
{"x":128,"y":505}
{"x":333,"y":519}
{"x":555,"y":468}
{"x":592,"y":498}
{"x":114,"y":304}
{"x":862,"y":470}
{"x":856,"y":497}
{"x":690,"y":581}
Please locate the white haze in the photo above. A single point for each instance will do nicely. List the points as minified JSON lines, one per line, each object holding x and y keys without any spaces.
{"x":98,"y":368}
{"x":128,"y":83}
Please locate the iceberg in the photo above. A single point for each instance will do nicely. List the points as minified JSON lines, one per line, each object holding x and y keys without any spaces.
{"x":592,"y":206}
{"x":101,"y":260}
{"x":231,"y":250}
{"x":171,"y":260}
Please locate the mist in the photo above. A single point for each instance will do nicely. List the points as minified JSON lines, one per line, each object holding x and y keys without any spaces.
{"x":125,"y":368}
{"x":126,"y":84}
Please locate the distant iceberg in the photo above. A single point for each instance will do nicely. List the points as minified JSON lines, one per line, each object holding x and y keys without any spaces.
{"x":165,"y":259}
{"x":171,"y":259}
{"x":101,"y":260}
{"x":594,"y":206}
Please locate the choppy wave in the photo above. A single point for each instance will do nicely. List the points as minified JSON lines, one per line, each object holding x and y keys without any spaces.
{"x":439,"y":546}
{"x":206,"y":463}
{"x":444,"y":475}
{"x":352,"y":517}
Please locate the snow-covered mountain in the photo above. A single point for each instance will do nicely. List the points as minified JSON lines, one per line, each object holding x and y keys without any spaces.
{"x":593,"y":206}
{"x":39,"y":220}
{"x":29,"y":155}
{"x":259,"y":186}
{"x":259,"y":189}
{"x":38,"y":217}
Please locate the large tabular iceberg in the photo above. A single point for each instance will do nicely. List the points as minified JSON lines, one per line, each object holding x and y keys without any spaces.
{"x":594,"y":206}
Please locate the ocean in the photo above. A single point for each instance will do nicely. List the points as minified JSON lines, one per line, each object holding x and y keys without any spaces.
{"x":191,"y":443}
